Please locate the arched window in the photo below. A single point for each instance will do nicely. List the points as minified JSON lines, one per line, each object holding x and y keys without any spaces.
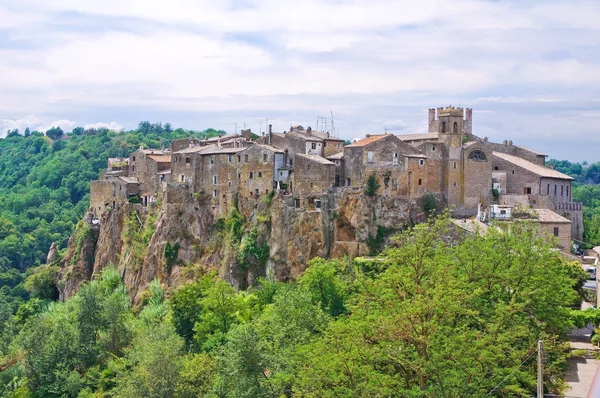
{"x":455,"y":127}
{"x":443,"y":127}
{"x":478,"y":156}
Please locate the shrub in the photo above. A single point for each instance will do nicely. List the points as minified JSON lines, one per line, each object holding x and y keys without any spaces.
{"x":372,"y":185}
{"x":429,"y":203}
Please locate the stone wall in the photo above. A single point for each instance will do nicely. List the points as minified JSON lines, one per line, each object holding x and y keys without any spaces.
{"x":557,"y":189}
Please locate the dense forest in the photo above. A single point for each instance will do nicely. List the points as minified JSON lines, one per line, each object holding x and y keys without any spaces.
{"x":44,"y":188}
{"x":429,"y":317}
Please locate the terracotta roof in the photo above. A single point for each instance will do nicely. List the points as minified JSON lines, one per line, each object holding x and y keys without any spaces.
{"x":367,"y":141}
{"x":336,"y":156}
{"x":542,"y":171}
{"x":316,"y":158}
{"x":161,"y":158}
{"x":418,"y":137}
{"x":548,"y":216}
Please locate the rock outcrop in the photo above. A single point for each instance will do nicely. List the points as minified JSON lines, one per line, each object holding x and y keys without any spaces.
{"x":177,"y":241}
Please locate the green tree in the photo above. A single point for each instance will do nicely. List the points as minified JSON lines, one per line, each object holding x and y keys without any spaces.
{"x":372,"y":185}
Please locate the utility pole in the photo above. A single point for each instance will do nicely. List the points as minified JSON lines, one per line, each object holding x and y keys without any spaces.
{"x":540,"y":371}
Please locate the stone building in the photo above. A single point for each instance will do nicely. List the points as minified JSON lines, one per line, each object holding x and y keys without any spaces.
{"x":400,"y":169}
{"x":111,"y":192}
{"x":527,"y":178}
{"x":257,"y":170}
{"x":312,"y":175}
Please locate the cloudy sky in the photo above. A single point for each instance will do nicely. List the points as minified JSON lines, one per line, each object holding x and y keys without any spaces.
{"x":529,"y":69}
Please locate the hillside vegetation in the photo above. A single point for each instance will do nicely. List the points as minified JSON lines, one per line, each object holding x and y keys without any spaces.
{"x":427,"y":318}
{"x":586,"y":189}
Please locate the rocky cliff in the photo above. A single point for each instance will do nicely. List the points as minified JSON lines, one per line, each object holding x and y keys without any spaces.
{"x":178,"y":240}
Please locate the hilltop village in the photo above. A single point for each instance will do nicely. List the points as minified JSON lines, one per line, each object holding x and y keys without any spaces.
{"x":478,"y":179}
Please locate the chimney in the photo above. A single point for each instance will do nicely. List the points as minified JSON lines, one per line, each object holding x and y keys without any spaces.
{"x":367,"y":135}
{"x":270,"y":128}
{"x":509,"y":142}
{"x":505,"y":142}
{"x":270,"y":134}
{"x":309,"y":131}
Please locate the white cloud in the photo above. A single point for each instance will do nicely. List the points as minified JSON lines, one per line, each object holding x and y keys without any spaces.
{"x":368,"y":60}
{"x":111,"y":126}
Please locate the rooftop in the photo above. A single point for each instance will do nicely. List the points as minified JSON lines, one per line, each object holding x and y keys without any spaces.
{"x":367,"y":141}
{"x":161,"y":158}
{"x":542,"y":171}
{"x":316,"y":158}
{"x":130,"y":180}
{"x":548,"y":216}
{"x":336,"y":156}
{"x":530,"y":150}
{"x":304,"y":136}
{"x":418,"y":137}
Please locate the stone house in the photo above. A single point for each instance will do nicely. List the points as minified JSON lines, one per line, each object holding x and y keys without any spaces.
{"x":151,"y":168}
{"x":312,"y":176}
{"x":184,"y":143}
{"x":400,"y":169}
{"x":527,"y":178}
{"x":298,"y":140}
{"x":259,"y":170}
{"x":340,"y":168}
{"x":111,"y":193}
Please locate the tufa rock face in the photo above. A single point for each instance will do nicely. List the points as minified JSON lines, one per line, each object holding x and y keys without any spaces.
{"x":178,"y":242}
{"x":52,"y":254}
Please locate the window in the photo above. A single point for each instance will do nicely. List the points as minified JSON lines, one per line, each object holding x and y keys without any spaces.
{"x":265,"y":157}
{"x":239,"y":158}
{"x":133,"y":168}
{"x":212,"y":160}
{"x":513,"y":172}
{"x":555,"y":231}
{"x":433,"y":148}
{"x":395,"y":159}
{"x":229,"y":184}
{"x":495,"y":167}
{"x":181,"y":178}
{"x":527,"y":190}
{"x":477,"y":156}
{"x":325,"y":144}
{"x":251,"y":175}
{"x":311,"y":185}
{"x":297,"y":203}
{"x":555,"y":188}
{"x":214,"y":180}
{"x":455,"y":127}
{"x":215,"y":193}
{"x":443,"y":127}
{"x":421,"y":162}
{"x":394,"y":184}
{"x":246,"y":158}
{"x":308,"y":167}
{"x":454,"y":164}
{"x":281,"y":174}
{"x":567,"y":190}
{"x":370,"y":157}
{"x":420,"y":181}
{"x":562,"y":190}
{"x":548,"y":192}
{"x":454,"y":183}
{"x":133,"y":158}
{"x":313,"y":145}
{"x":260,"y":174}
{"x":256,"y":192}
{"x":230,"y":158}
{"x":120,"y":187}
